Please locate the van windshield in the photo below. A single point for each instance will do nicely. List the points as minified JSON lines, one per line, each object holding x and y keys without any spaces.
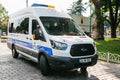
{"x":61,"y":26}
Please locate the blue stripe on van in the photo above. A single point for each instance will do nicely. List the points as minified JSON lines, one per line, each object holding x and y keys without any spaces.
{"x":23,"y":43}
{"x":30,"y":45}
{"x":46,"y":49}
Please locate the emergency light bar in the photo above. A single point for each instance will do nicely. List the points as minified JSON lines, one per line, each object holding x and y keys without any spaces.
{"x":42,"y":5}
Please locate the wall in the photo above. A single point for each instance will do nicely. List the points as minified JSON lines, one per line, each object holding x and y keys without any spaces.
{"x":83,"y":22}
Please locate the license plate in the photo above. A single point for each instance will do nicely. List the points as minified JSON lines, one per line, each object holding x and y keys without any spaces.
{"x":85,"y":60}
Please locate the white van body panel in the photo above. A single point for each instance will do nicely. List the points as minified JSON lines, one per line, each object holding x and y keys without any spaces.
{"x":28,"y":46}
{"x":38,"y":11}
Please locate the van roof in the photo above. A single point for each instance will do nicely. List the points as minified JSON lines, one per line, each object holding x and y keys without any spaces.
{"x":40,"y":11}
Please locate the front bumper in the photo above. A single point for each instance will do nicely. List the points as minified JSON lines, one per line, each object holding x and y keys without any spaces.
{"x":68,"y":63}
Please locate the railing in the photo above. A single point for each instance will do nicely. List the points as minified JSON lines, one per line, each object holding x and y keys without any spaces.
{"x":109,"y":57}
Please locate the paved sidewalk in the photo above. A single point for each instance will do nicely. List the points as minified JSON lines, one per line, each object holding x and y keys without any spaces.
{"x":105,"y":71}
{"x":21,"y":69}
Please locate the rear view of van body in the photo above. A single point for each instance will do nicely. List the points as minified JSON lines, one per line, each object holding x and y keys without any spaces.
{"x":50,"y":38}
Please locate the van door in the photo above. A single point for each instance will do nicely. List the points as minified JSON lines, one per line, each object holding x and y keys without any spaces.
{"x":38,"y":38}
{"x":23,"y":43}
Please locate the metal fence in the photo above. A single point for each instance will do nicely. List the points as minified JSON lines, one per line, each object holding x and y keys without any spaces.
{"x":109,"y":57}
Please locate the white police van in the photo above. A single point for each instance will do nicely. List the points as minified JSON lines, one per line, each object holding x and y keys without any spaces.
{"x":50,"y":38}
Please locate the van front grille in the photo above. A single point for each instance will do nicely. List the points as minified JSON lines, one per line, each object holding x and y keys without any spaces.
{"x":82,"y":50}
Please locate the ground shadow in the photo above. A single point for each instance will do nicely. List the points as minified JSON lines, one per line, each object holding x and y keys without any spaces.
{"x":113,"y":68}
{"x":63,"y":75}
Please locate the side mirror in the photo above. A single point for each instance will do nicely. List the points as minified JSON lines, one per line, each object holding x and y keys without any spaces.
{"x":33,"y":36}
{"x":38,"y":36}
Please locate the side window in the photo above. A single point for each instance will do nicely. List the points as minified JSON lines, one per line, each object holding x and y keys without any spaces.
{"x":37,"y":31}
{"x":24,"y":26}
{"x":34,"y":25}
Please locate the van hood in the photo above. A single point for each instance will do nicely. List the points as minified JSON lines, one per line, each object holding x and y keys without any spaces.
{"x":72,"y":39}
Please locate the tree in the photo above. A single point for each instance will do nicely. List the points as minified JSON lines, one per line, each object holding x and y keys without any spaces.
{"x":3,"y":17}
{"x":113,"y":7}
{"x":99,"y":19}
{"x":107,"y":6}
{"x":77,"y":8}
{"x":3,"y":14}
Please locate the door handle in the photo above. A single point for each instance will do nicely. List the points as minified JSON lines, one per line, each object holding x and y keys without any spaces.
{"x":26,"y":37}
{"x":30,"y":39}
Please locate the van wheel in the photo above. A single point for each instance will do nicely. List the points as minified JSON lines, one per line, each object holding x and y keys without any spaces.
{"x":84,"y":70}
{"x":14,"y":53}
{"x":44,"y":65}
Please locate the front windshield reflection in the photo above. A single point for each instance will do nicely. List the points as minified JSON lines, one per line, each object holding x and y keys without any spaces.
{"x":61,"y":26}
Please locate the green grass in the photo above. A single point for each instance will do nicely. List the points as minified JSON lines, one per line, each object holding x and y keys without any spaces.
{"x":111,"y":45}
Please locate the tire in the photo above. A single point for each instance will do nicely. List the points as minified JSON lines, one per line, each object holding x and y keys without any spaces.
{"x":84,"y":70}
{"x":14,"y":52}
{"x":44,"y":65}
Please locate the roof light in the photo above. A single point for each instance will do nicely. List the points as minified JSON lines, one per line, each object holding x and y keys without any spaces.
{"x":42,"y":5}
{"x":51,"y":6}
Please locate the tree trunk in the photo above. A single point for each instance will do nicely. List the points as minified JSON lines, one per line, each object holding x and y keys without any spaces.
{"x":99,"y":20}
{"x":114,"y":17}
{"x":113,"y":32}
{"x":98,"y":30}
{"x":100,"y":27}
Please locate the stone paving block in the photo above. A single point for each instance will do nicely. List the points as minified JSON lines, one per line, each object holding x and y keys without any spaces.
{"x":21,"y":69}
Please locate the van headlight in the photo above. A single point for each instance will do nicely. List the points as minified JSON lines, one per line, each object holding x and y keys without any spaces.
{"x":58,"y":45}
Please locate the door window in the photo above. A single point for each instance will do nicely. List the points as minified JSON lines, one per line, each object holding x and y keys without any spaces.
{"x":37,"y":31}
